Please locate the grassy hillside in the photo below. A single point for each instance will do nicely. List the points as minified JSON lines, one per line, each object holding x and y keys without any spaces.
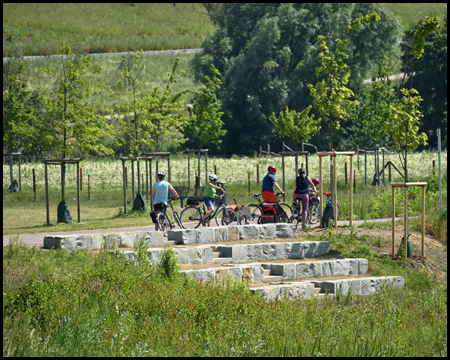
{"x":38,"y":28}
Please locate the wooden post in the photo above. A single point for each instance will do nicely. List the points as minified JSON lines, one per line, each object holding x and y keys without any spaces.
{"x":335,"y":191}
{"x":215,"y":169}
{"x":89,"y":186}
{"x":34,"y":183}
{"x":132,"y":179}
{"x":406,"y":222}
{"x":284,"y":182}
{"x":365,"y":167}
{"x":321,"y":188}
{"x":351,"y":189}
{"x":20,"y":175}
{"x":423,"y":221}
{"x":345,"y":169}
{"x":393,"y":221}
{"x":78,"y":190}
{"x":390,"y":171}
{"x":146,"y":179}
{"x":81,"y":179}
{"x":257,"y":174}
{"x":46,"y":194}
{"x":124,"y":187}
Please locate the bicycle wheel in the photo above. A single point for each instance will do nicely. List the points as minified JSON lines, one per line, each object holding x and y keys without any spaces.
{"x":163,"y":223}
{"x":191,"y":215}
{"x":178,"y":220}
{"x":313,"y":213}
{"x":255,"y":214}
{"x":296,"y":218}
{"x":287,"y":209}
{"x":226,"y":216}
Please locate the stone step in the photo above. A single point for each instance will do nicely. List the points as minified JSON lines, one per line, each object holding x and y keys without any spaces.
{"x":216,"y":254}
{"x":305,"y":289}
{"x":317,"y":290}
{"x":271,"y":278}
{"x":169,"y":242}
{"x":222,"y":260}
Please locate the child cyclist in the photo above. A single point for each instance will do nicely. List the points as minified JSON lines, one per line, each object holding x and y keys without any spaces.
{"x":301,"y":192}
{"x":210,"y":197}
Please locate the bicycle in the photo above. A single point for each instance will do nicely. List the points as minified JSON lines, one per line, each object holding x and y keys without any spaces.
{"x":246,"y":216}
{"x":296,"y":217}
{"x":194,"y":213}
{"x":257,"y":210}
{"x":314,"y":208}
{"x":163,"y":221}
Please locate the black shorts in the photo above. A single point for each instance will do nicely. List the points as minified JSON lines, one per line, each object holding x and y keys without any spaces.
{"x":159,"y":207}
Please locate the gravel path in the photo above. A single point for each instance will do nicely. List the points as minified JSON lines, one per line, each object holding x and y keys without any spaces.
{"x":38,"y":239}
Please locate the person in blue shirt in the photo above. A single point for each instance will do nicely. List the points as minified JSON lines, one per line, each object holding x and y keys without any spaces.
{"x":160,"y":194}
{"x":269,"y":185}
{"x":301,"y":192}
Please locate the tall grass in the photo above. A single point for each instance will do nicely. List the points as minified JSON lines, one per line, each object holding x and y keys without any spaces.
{"x":81,"y":304}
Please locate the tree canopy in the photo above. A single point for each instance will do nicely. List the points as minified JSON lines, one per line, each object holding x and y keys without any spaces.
{"x":267,"y":54}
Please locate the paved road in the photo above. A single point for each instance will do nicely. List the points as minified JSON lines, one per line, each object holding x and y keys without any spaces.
{"x":38,"y":239}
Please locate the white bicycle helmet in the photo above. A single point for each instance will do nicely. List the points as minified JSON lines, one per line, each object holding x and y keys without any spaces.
{"x":161,"y":174}
{"x":213,"y":177}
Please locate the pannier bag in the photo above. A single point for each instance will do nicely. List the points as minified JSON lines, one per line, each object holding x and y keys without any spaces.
{"x":192,"y":202}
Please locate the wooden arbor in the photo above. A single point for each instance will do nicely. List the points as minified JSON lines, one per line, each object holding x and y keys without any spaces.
{"x":293,"y":153}
{"x":199,"y":152}
{"x":333,"y":155}
{"x":405,"y":185}
{"x":133,"y":159}
{"x":62,"y":162}
{"x":11,"y":156}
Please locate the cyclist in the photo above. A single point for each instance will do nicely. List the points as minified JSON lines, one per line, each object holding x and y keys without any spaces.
{"x":302,"y":184}
{"x":210,"y":197}
{"x":160,"y":194}
{"x":269,"y":183}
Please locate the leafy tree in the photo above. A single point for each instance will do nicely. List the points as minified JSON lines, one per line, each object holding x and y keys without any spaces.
{"x":205,"y":124}
{"x":404,"y":126}
{"x":429,"y":74}
{"x":73,"y":120}
{"x":148,"y":115}
{"x":267,"y":55}
{"x":18,"y":117}
{"x":296,"y":125}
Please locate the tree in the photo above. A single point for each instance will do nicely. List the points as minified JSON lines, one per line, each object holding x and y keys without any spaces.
{"x":266,"y":53}
{"x":404,"y":126}
{"x":205,"y":124}
{"x":72,"y":119}
{"x":430,"y":77}
{"x":18,"y":117}
{"x":296,"y":125}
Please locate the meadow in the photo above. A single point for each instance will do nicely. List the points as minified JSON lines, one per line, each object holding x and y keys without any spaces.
{"x":102,"y":188}
{"x":60,"y":303}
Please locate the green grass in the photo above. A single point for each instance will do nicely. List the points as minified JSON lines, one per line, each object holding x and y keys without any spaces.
{"x":38,"y":29}
{"x":410,"y":13}
{"x":102,"y":203}
{"x":59,"y":303}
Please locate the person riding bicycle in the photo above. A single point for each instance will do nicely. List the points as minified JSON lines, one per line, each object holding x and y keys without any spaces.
{"x":269,"y":184}
{"x":160,"y":194}
{"x":301,"y":192}
{"x":210,"y":197}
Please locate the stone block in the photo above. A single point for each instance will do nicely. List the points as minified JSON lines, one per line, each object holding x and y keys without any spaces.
{"x":397,"y":282}
{"x":254,"y":251}
{"x":221,"y":233}
{"x":205,"y":235}
{"x":236,"y":273}
{"x":239,"y":253}
{"x":363,"y":266}
{"x":195,"y":256}
{"x":129,"y":255}
{"x":182,"y":255}
{"x":154,"y":238}
{"x":308,"y":269}
{"x":207,"y":254}
{"x":83,"y":242}
{"x":127,"y":240}
{"x":327,"y":268}
{"x":97,"y":241}
{"x":297,"y":250}
{"x":268,"y":252}
{"x":282,"y":250}
{"x":247,"y":274}
{"x":275,"y":269}
{"x":224,"y":250}
{"x":268,"y":293}
{"x":322,"y":248}
{"x":332,"y":286}
{"x":354,"y":286}
{"x":182,"y":236}
{"x":52,"y":242}
{"x":341,"y":267}
{"x":353,"y":266}
{"x":289,"y":272}
{"x":155,"y":255}
{"x":111,"y":240}
{"x":367,"y":286}
{"x":285,"y":231}
{"x":310,"y":249}
{"x":267,"y":231}
{"x":258,"y":273}
{"x":247,"y":232}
